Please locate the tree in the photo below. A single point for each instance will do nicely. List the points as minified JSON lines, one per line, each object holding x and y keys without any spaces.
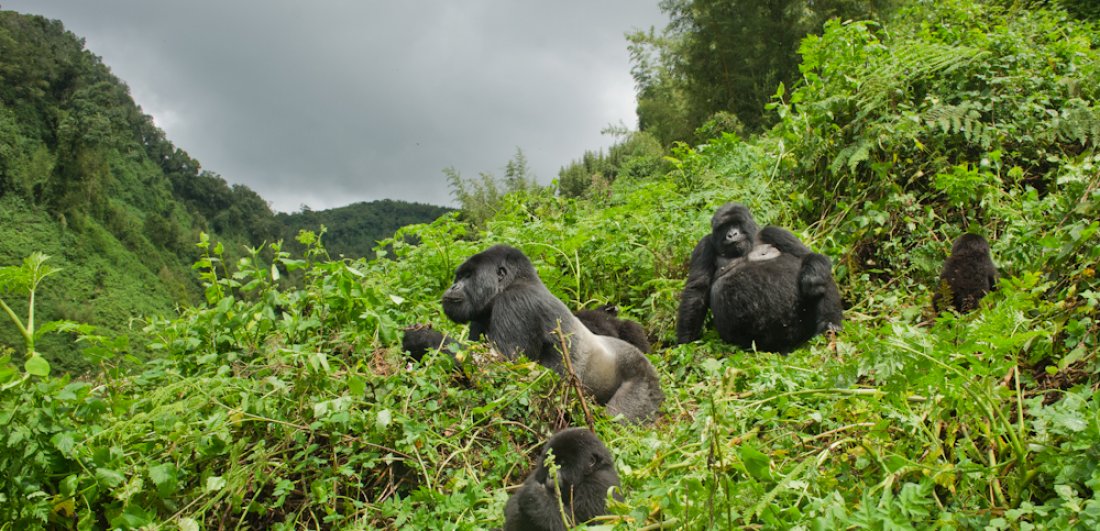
{"x":481,"y":198}
{"x":725,"y":56}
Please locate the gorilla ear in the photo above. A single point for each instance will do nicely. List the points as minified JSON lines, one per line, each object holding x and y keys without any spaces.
{"x":501,"y":273}
{"x":593,"y":461}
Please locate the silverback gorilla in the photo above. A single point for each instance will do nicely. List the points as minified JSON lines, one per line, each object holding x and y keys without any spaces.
{"x":765,"y":287}
{"x":500,"y":294}
{"x":968,"y":274}
{"x":586,"y":471}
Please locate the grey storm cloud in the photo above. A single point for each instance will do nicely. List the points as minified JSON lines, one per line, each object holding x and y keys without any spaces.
{"x":328,"y":103}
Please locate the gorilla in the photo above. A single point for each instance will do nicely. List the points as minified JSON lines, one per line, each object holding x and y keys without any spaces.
{"x":500,"y":294}
{"x":420,"y":338}
{"x":764,"y":286}
{"x":586,"y":471}
{"x":604,"y":321}
{"x":968,"y":274}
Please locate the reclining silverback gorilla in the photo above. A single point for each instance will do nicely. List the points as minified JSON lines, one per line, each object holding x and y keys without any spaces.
{"x":419,"y":338}
{"x":765,"y":287}
{"x":586,"y":470}
{"x":500,"y":294}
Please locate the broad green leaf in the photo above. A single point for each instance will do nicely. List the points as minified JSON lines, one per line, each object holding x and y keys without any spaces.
{"x":37,"y":365}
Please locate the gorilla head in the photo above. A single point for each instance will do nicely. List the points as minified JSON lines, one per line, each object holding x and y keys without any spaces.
{"x":765,"y":288}
{"x":968,"y":274}
{"x":586,"y":472}
{"x":733,"y":231}
{"x":418,"y":339}
{"x":500,"y":294}
{"x":481,"y":278}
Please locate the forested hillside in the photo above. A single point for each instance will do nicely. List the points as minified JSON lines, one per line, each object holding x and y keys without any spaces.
{"x":87,"y":178}
{"x":280,"y":406}
{"x":354,"y":230}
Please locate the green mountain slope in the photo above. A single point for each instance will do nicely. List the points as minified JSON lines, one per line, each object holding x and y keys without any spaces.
{"x":291,"y":407}
{"x":86,"y":177}
{"x":354,"y":230}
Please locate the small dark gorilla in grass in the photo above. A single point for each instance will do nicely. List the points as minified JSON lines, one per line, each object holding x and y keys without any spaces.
{"x":605,"y":321}
{"x":764,"y":287}
{"x":586,"y":472}
{"x":420,"y":338}
{"x":500,"y":294}
{"x":968,"y":274}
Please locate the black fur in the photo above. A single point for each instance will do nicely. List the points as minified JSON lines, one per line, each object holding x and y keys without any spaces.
{"x":500,"y":294}
{"x":586,"y":472}
{"x":764,"y":287}
{"x":968,"y":274}
{"x":605,"y":321}
{"x":420,"y":338}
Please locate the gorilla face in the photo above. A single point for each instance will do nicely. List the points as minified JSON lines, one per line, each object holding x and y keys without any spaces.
{"x":733,"y":231}
{"x":478,"y":281}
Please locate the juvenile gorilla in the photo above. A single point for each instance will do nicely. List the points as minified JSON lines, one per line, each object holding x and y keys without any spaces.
{"x":765,"y":287}
{"x":420,"y":338}
{"x":605,"y":321}
{"x":586,"y":472}
{"x":500,"y":294}
{"x":968,"y":274}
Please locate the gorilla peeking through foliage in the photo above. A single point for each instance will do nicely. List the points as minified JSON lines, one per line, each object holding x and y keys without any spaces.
{"x":764,"y":287}
{"x":500,"y":294}
{"x":586,"y":472}
{"x":968,"y":274}
{"x":420,"y":338}
{"x":605,"y":321}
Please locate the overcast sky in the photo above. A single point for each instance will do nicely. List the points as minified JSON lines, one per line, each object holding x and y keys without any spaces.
{"x":332,"y":102}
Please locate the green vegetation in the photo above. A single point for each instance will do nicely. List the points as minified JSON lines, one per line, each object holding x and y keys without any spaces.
{"x":354,"y":230}
{"x":278,"y":405}
{"x":86,"y":177}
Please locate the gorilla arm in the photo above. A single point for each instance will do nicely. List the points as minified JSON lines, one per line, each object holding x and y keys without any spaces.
{"x":695,"y":299}
{"x":782,"y":239}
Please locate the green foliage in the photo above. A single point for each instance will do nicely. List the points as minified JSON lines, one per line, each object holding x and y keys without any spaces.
{"x":282,"y":404}
{"x":354,"y":230}
{"x":638,"y":155}
{"x":481,"y":198}
{"x":718,"y":62}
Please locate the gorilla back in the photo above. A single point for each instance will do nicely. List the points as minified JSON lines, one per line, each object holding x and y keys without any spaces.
{"x":758,"y":301}
{"x":500,"y":294}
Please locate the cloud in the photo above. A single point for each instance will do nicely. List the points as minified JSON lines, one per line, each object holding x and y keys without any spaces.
{"x":329,"y":103}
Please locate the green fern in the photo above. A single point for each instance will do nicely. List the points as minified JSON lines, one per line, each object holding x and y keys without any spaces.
{"x":1077,"y":122}
{"x":964,"y":118}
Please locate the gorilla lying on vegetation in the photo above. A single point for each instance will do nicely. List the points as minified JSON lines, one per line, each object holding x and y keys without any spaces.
{"x":586,"y":472}
{"x":968,"y":274}
{"x":765,"y":287}
{"x":500,"y":294}
{"x":604,"y":321}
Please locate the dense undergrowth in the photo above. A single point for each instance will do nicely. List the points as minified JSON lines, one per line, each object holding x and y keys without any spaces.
{"x":276,"y":405}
